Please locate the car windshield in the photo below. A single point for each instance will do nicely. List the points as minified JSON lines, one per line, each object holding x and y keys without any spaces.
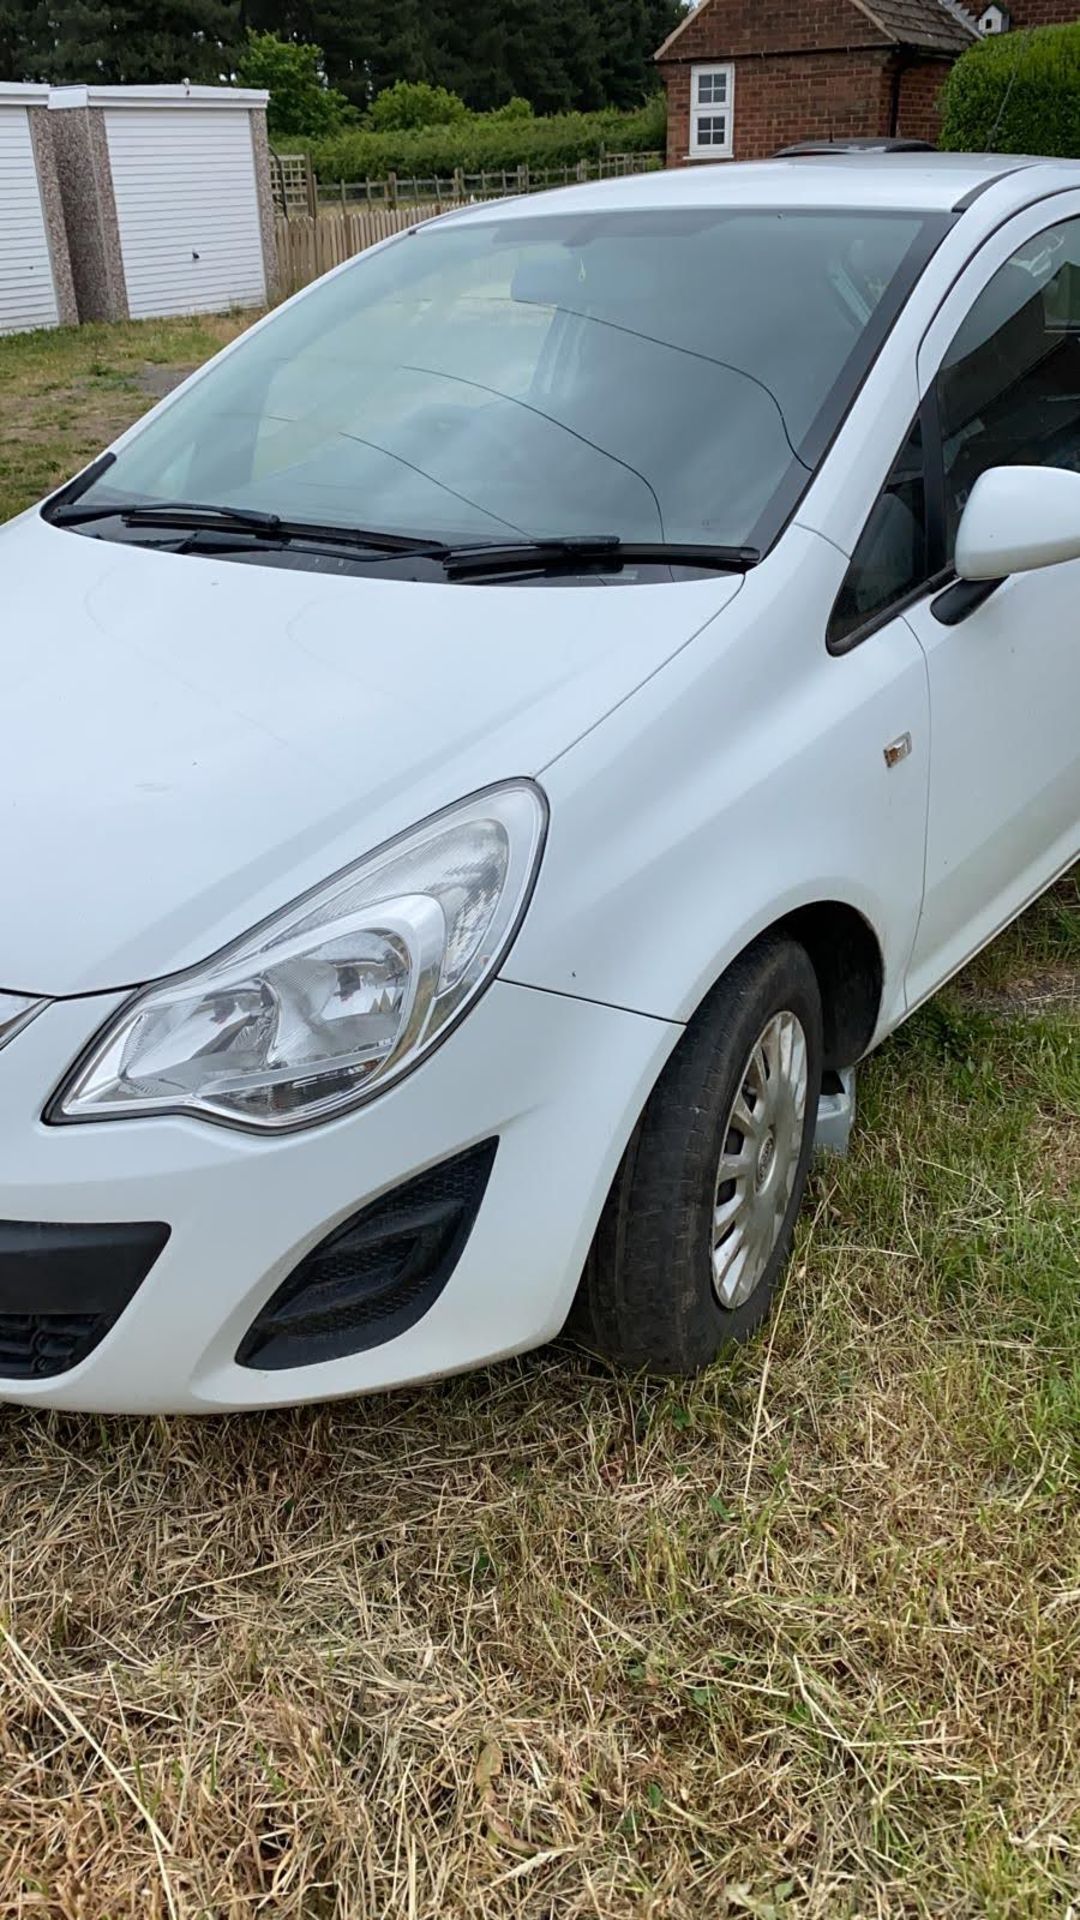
{"x":662,"y":376}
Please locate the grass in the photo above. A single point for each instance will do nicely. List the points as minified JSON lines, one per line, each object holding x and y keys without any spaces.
{"x":802,"y":1638}
{"x":65,"y":394}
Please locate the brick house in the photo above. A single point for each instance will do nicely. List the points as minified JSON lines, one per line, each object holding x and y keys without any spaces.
{"x":745,"y":78}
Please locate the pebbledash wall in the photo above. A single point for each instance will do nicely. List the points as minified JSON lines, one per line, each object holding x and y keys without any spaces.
{"x":755,"y":78}
{"x":36,"y":288}
{"x":167,"y":198}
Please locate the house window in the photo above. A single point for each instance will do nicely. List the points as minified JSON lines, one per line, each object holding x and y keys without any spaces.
{"x":712,"y":99}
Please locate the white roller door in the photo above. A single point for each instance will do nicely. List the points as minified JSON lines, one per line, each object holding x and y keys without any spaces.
{"x":187,"y":209}
{"x":27,"y":293}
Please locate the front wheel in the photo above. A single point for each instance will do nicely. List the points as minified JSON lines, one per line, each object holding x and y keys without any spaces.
{"x":699,"y":1223}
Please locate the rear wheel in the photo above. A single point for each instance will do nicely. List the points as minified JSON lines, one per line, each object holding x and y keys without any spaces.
{"x":699,"y":1223}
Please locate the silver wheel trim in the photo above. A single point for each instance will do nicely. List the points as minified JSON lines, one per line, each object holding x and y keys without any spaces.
{"x":759,"y":1160}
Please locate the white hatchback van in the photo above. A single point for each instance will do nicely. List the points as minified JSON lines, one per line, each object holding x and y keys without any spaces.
{"x":486,"y":757}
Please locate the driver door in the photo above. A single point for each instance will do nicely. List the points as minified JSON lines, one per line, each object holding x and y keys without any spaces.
{"x":1000,"y":375}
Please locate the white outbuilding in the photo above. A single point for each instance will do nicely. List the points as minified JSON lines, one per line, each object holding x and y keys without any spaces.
{"x":168,"y":198}
{"x":35,"y":273}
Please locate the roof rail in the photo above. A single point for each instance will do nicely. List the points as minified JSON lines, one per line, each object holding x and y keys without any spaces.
{"x":879,"y":145}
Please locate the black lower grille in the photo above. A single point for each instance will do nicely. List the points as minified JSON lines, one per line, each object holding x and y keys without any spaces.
{"x":377,"y":1275}
{"x":33,"y":1345}
{"x":63,"y":1286}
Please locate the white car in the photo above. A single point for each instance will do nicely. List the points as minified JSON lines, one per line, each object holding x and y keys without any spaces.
{"x":485,"y":758}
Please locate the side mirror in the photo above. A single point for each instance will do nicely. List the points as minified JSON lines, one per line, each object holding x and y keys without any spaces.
{"x":1018,"y":519}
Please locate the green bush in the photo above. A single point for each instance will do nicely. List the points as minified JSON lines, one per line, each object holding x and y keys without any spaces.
{"x":1016,"y":93}
{"x":489,"y":142}
{"x":515,"y":108}
{"x":411,"y":104}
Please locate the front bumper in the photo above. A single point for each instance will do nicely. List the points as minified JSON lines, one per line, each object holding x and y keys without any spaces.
{"x":558,"y":1082}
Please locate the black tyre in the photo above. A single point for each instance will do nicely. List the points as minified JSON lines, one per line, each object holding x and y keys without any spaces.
{"x":698,"y":1226}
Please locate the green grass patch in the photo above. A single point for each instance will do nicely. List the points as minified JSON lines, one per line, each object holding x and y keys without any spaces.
{"x":66,"y":392}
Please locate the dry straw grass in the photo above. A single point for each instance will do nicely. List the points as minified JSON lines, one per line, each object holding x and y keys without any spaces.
{"x":550,"y":1643}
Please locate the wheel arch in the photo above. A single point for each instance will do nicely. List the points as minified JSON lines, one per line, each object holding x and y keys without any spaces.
{"x":848,"y":959}
{"x":846,"y":955}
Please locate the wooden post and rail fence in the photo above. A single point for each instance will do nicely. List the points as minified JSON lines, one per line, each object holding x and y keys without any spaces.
{"x":319,"y":226}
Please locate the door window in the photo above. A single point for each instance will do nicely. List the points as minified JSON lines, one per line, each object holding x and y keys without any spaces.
{"x":1009,"y":388}
{"x":890,"y":562}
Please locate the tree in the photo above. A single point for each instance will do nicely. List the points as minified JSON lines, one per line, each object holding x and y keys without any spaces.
{"x":401,"y":43}
{"x":126,"y":42}
{"x":630,"y":31}
{"x":335,"y":26}
{"x":301,"y":101}
{"x":24,"y":33}
{"x":663,"y":16}
{"x":623,"y":35}
{"x":541,"y":50}
{"x":559,"y":55}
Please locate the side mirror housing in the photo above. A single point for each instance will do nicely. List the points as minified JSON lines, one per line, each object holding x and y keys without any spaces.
{"x":1018,"y":519}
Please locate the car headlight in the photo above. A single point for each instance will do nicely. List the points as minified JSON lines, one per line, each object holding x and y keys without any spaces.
{"x":326,"y":1003}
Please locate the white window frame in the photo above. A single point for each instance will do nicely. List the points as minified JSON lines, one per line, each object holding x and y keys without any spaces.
{"x":708,"y":109}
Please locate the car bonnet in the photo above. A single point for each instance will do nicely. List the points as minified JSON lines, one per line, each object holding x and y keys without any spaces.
{"x":187,"y":744}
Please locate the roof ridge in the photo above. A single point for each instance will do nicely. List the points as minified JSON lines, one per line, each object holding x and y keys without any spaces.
{"x":865,"y":7}
{"x":960,"y":14}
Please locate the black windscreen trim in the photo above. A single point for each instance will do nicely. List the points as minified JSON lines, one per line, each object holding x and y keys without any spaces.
{"x":992,"y":180}
{"x":849,"y":641}
{"x":934,"y":474}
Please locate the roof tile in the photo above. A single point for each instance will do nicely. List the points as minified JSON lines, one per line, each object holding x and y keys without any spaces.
{"x":934,"y":26}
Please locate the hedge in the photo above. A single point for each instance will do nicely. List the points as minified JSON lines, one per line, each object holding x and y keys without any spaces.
{"x":489,"y":142}
{"x":1016,"y":93}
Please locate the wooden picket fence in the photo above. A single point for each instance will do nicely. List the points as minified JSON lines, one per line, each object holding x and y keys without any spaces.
{"x":306,"y":248}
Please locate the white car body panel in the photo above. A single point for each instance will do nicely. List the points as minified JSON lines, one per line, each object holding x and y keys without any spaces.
{"x":1005,"y":774}
{"x":189,"y":744}
{"x":206,"y":799}
{"x":934,"y":182}
{"x":726,"y":812}
{"x":243,"y":1211}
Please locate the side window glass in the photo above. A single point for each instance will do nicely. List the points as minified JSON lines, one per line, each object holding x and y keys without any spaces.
{"x":1009,"y":389}
{"x":890,"y":562}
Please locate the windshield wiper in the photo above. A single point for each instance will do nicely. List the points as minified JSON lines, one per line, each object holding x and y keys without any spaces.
{"x":184,"y":516}
{"x":585,"y":549}
{"x":166,"y":513}
{"x":460,"y":562}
